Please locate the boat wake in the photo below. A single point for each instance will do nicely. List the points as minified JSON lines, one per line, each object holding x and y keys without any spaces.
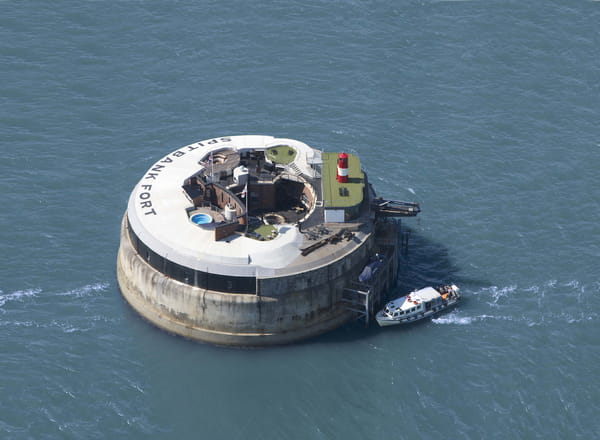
{"x":534,"y":305}
{"x":19,"y":295}
{"x":87,"y":290}
{"x":453,"y":318}
{"x":456,"y":318}
{"x":22,"y":295}
{"x":37,"y":308}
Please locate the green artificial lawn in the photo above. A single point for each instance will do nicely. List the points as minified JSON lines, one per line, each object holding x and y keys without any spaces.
{"x":331,"y":187}
{"x":281,"y":154}
{"x":263,"y":231}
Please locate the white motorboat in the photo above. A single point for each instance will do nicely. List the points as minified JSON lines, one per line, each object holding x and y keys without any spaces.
{"x":418,"y":304}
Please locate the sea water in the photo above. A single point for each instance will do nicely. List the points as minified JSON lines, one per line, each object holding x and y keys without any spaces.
{"x":485,"y":112}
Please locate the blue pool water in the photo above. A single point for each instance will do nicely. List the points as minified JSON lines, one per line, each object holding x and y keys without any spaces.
{"x":201,"y":219}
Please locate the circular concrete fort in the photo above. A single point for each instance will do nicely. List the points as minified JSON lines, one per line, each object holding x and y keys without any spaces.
{"x":254,"y":240}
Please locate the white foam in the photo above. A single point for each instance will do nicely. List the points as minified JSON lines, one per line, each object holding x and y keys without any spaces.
{"x":18,"y":324}
{"x":19,"y":295}
{"x":453,"y":318}
{"x":572,"y":283}
{"x":87,"y":290}
{"x":496,"y":317}
{"x":67,"y":327}
{"x":497,"y":293}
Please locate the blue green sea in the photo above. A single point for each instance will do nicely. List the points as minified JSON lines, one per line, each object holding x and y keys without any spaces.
{"x":485,"y":112}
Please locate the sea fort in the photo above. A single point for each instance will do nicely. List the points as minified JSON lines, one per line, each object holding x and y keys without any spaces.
{"x":256,"y":240}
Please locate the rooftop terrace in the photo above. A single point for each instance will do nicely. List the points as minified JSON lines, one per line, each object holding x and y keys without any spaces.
{"x":342,"y":195}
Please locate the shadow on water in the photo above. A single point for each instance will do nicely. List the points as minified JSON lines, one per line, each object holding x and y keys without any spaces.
{"x":429,"y":263}
{"x":425,"y":263}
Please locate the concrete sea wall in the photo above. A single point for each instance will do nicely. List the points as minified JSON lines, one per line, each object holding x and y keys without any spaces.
{"x":286,"y":309}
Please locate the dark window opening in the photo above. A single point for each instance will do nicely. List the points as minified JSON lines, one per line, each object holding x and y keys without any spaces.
{"x":197,"y":278}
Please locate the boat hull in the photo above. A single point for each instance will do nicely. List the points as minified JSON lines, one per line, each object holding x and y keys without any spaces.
{"x":385,"y":321}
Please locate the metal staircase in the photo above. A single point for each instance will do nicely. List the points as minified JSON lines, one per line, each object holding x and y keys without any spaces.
{"x":363,"y":299}
{"x":293,"y":169}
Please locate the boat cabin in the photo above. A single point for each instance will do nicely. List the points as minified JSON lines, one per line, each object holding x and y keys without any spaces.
{"x":418,"y":305}
{"x":415,"y":303}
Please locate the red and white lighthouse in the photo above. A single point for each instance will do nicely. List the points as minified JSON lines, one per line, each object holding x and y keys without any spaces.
{"x":342,"y":168}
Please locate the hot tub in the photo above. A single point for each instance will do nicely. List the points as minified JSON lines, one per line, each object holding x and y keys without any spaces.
{"x":201,"y":219}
